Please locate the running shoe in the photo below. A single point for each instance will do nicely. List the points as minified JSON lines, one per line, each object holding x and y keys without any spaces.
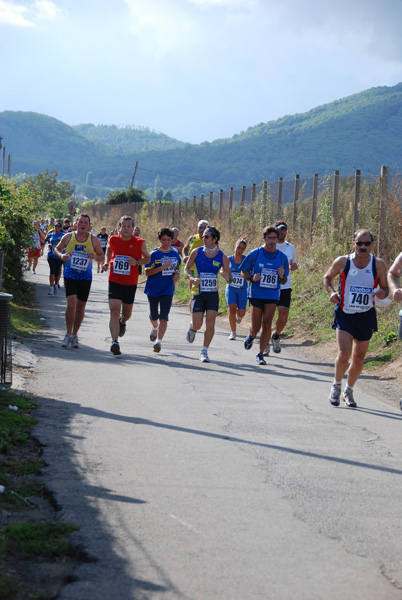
{"x":190,"y":336}
{"x":153,"y":335}
{"x":67,"y":341}
{"x":248,"y":342}
{"x":347,"y":397}
{"x":33,"y":271}
{"x":239,"y":320}
{"x":55,"y":289}
{"x":157,"y":347}
{"x":266,"y":351}
{"x":122,"y":328}
{"x":276,"y":344}
{"x":51,"y":291}
{"x":74,"y":341}
{"x":335,"y":394}
{"x":232,"y":335}
{"x":204,"y":356}
{"x":260,"y":359}
{"x":115,"y":348}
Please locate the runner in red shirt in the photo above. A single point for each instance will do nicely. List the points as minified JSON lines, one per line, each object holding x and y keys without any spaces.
{"x":124,"y":253}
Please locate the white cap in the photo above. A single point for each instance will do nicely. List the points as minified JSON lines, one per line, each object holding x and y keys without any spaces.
{"x":202,"y":222}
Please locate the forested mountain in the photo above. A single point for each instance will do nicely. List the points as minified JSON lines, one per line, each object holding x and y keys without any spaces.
{"x":127,"y":138}
{"x":362,"y":131}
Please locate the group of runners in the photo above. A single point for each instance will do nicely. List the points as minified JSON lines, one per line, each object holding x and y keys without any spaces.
{"x":261,"y":277}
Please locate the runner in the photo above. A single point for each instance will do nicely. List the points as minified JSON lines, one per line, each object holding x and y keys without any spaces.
{"x":286,"y":291}
{"x":103,"y":238}
{"x":205,"y":297}
{"x":162,"y":274}
{"x":394,"y":281}
{"x":81,"y":248}
{"x":362,"y":277}
{"x":34,"y":251}
{"x":125,"y":252}
{"x":194,"y":241}
{"x":176,"y":243}
{"x":236,"y":292}
{"x":55,"y":263}
{"x":266,"y":268}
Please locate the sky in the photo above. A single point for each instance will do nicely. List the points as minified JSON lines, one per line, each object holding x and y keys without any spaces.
{"x":196,"y":70}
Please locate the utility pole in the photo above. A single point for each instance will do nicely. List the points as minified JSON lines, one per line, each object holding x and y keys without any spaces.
{"x":133,"y":177}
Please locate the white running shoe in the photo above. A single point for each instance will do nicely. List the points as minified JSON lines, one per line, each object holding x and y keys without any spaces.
{"x":74,"y":341}
{"x":67,"y":341}
{"x":153,"y":335}
{"x":347,"y":397}
{"x":55,"y":289}
{"x":51,"y":291}
{"x":232,"y":335}
{"x":266,"y":351}
{"x":239,"y":320}
{"x":335,"y":394}
{"x":204,"y":356}
{"x":190,"y":335}
{"x":276,"y":344}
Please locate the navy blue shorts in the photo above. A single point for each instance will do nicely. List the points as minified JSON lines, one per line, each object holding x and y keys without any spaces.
{"x":260,"y":302}
{"x":205,"y":301}
{"x":159,"y":307}
{"x":360,"y":325}
{"x":55,"y":265}
{"x":236,"y":296}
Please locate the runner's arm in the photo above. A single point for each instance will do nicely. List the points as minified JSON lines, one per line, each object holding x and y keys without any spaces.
{"x":335,"y":269}
{"x":382,"y":279}
{"x":58,"y":251}
{"x":145,"y":256}
{"x":225,"y":271}
{"x":394,"y":276}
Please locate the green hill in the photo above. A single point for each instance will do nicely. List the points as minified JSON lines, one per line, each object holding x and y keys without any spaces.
{"x":361,"y":131}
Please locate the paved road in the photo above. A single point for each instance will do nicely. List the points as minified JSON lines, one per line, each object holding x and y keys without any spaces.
{"x":214,"y":481}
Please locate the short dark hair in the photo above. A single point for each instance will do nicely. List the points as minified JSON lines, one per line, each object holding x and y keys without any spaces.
{"x":125,"y":218}
{"x":165,"y":231}
{"x":214,"y":232}
{"x":270,"y":229}
{"x":84,"y":216}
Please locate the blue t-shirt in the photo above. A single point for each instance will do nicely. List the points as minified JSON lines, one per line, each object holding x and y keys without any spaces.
{"x":54,"y":239}
{"x":161,"y":284}
{"x":238,"y":281}
{"x":266,"y":264}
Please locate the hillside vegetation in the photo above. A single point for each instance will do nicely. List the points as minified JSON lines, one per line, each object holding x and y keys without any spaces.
{"x":361,"y":131}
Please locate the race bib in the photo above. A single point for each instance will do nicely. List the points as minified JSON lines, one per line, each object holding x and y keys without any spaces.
{"x":209,"y":282}
{"x":238,"y":280}
{"x":102,"y":243}
{"x":79,"y":261}
{"x":360,"y":298}
{"x":170,"y":270}
{"x":269,"y":279}
{"x":121,"y":266}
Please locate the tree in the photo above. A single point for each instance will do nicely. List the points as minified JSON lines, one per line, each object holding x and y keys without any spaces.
{"x":46,"y":186}
{"x":130,"y":195}
{"x":90,"y":178}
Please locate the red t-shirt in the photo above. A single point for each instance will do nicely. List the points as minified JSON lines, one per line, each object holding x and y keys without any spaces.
{"x":120,"y":271}
{"x":176,"y":244}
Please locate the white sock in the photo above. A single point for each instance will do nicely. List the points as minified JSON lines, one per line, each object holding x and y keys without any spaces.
{"x":337,"y":382}
{"x":158,"y":341}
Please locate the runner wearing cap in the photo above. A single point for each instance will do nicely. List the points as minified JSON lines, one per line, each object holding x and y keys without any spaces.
{"x":266,"y":268}
{"x":285,"y":296}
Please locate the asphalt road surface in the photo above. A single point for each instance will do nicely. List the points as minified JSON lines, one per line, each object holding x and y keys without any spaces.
{"x":213,"y":481}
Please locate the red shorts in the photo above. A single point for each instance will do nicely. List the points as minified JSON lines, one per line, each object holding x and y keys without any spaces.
{"x":33,"y":252}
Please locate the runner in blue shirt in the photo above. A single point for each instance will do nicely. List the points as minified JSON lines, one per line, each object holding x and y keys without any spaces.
{"x":55,"y":263}
{"x":162,"y":274}
{"x":236,"y":292}
{"x":266,"y":268}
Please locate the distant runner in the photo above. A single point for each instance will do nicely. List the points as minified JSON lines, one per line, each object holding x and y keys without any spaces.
{"x":55,"y":263}
{"x":362,"y":277}
{"x":236,"y":292}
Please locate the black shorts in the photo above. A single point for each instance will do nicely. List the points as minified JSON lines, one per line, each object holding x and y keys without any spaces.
{"x":125,"y":293}
{"x":205,"y":301}
{"x":55,"y":265}
{"x":159,"y":307}
{"x":260,"y":302}
{"x":285,"y":298}
{"x":77,"y":287}
{"x":360,"y":325}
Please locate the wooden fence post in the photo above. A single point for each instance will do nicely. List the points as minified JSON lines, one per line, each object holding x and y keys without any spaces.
{"x":356,"y":200}
{"x":295,"y":200}
{"x":172,"y":221}
{"x":185,"y":208}
{"x":230,"y":207}
{"x":264,"y":200}
{"x":243,"y":198}
{"x":211,"y":205}
{"x":280,"y":191}
{"x":335,"y":196}
{"x":314,"y":207}
{"x":383,"y":208}
{"x":220,"y":204}
{"x":194,"y":205}
{"x":202,"y":205}
{"x":179,"y":215}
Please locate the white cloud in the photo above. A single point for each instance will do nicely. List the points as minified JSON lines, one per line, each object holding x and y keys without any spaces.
{"x":12,"y":14}
{"x":47,"y":10}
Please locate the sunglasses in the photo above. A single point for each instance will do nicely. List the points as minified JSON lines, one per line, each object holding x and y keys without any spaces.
{"x":203,"y":227}
{"x":363,"y":243}
{"x":206,"y":237}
